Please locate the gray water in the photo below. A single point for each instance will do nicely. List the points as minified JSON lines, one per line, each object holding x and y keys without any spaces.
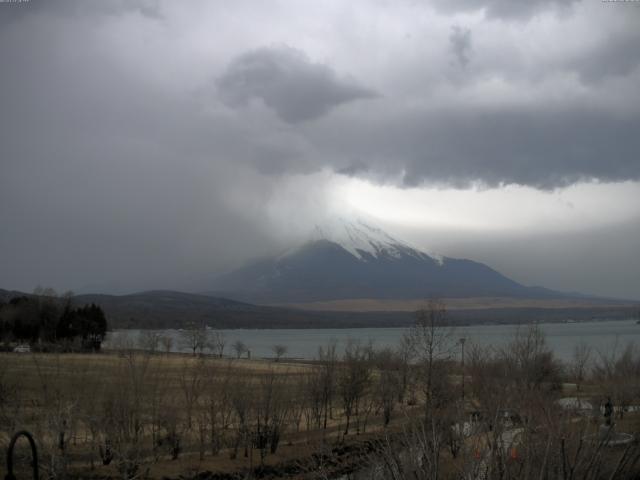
{"x":602,"y":336}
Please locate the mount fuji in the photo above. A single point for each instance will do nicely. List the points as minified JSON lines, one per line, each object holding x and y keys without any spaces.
{"x":354,"y":260}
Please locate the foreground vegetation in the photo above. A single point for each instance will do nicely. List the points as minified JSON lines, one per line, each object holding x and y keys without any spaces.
{"x":403,"y":413}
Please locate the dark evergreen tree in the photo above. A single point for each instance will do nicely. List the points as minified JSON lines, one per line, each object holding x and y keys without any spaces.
{"x":23,"y":314}
{"x":92,"y":326}
{"x":66,"y":329}
{"x":44,"y":319}
{"x":49,"y":314}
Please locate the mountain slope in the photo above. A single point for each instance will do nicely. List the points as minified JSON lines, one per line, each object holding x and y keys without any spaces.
{"x":355,"y":260}
{"x":170,"y":309}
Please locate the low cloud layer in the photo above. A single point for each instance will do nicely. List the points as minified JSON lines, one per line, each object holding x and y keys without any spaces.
{"x":542,"y":147}
{"x":146,"y":143}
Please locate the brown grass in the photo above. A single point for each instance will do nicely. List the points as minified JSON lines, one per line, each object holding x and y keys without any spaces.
{"x":473,"y":303}
{"x":40,"y":379}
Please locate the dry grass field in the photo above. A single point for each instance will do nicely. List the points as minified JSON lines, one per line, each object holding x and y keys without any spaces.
{"x":173,"y":414}
{"x":138,"y":415}
{"x":472,"y":303}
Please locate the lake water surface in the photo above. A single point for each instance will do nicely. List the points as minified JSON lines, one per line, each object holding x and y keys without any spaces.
{"x":602,"y":336}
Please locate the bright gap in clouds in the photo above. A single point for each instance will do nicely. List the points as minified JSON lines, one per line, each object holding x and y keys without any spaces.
{"x":510,"y":208}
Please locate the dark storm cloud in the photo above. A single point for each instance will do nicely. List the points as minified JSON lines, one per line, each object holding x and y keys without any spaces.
{"x":545,"y":148}
{"x":505,"y":9}
{"x":287,"y":82}
{"x":12,"y":12}
{"x":619,"y":56}
{"x":460,"y":41}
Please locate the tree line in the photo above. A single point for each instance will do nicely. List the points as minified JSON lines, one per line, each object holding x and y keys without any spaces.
{"x":45,"y":319}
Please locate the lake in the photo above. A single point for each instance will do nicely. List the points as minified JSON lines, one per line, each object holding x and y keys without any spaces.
{"x":602,"y":336}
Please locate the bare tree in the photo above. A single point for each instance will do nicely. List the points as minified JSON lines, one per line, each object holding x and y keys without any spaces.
{"x":239,"y":347}
{"x":619,"y":375}
{"x":123,"y":412}
{"x":431,"y":339}
{"x":328,"y":359}
{"x":270,"y":412}
{"x":299,"y":399}
{"x":217,"y":343}
{"x":149,"y":341}
{"x":191,"y":383}
{"x":194,"y":337}
{"x":279,"y":351}
{"x":580,"y":363}
{"x":404,"y":355}
{"x":241,"y":397}
{"x":167,"y":342}
{"x":217,"y":405}
{"x":527,"y":376}
{"x":388,"y":382}
{"x":530,"y":359}
{"x":315,"y":395}
{"x":353,"y":381}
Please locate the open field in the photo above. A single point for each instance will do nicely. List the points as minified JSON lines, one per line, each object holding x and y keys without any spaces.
{"x":132,"y":415}
{"x":474,"y":303}
{"x":178,"y":401}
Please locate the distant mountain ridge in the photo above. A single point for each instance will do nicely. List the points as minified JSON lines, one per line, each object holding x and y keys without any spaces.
{"x":160,"y":309}
{"x":355,"y":260}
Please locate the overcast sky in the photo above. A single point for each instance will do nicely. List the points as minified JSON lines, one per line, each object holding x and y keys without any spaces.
{"x":146,"y":144}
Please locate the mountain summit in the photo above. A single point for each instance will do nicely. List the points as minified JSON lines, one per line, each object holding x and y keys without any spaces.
{"x":366,"y":242}
{"x":353,"y":260}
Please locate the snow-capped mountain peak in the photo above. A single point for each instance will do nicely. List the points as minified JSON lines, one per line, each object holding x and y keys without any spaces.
{"x":365,"y":241}
{"x":354,"y":260}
